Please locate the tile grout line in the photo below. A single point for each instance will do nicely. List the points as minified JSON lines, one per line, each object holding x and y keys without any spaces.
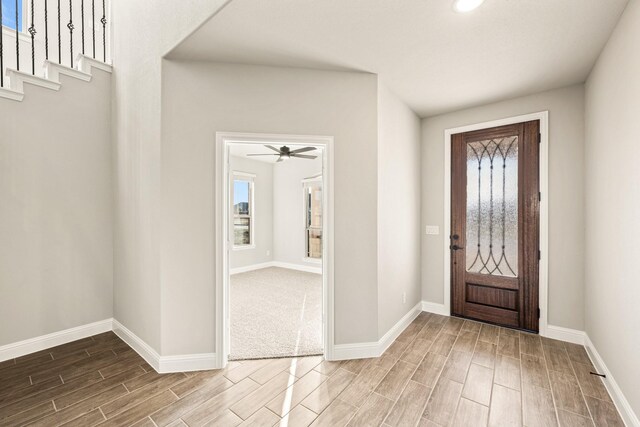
{"x":412,"y":373}
{"x":455,"y":412}
{"x":575,"y":376}
{"x":553,"y":397}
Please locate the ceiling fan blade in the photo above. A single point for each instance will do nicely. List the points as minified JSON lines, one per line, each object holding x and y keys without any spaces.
{"x":273,"y":148}
{"x":279,"y":159}
{"x":302,"y":150}
{"x":263,"y":154}
{"x":303,"y":156}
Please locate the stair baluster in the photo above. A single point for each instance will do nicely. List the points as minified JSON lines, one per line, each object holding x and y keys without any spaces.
{"x":17,"y":37}
{"x":34,"y":36}
{"x":32,"y":31}
{"x":104,"y":32}
{"x":71,"y":27}
{"x":93,"y":26}
{"x":82,"y":17}
{"x":59,"y":37}
{"x":46,"y":30}
{"x":1,"y":48}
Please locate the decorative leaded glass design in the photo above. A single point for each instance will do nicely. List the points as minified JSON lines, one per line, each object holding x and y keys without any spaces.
{"x":492,"y":207}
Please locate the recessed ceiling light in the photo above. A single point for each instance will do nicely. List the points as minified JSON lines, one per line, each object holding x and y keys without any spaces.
{"x":463,"y":6}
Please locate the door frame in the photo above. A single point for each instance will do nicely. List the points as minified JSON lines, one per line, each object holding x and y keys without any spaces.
{"x":543,"y":280}
{"x":223,"y":244}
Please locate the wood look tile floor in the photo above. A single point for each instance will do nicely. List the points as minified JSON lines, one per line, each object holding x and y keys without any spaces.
{"x":439,"y":372}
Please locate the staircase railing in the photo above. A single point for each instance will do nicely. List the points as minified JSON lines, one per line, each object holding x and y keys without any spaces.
{"x":28,"y":25}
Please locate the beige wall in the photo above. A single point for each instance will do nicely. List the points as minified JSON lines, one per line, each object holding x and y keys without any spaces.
{"x":398,"y":210}
{"x":200,"y":99}
{"x":566,"y":195}
{"x":56,"y":256}
{"x":136,"y":132}
{"x":613,"y":204}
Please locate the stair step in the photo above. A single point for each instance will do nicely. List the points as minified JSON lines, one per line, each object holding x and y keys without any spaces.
{"x":86,"y":63}
{"x":17,"y":79}
{"x":53,"y":70}
{"x":5,"y":92}
{"x":51,"y":79}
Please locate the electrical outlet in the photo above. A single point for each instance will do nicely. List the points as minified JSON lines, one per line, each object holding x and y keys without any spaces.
{"x":404,"y":297}
{"x":268,"y":253}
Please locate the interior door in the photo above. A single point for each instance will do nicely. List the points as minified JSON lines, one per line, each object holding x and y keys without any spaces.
{"x":495,"y":204}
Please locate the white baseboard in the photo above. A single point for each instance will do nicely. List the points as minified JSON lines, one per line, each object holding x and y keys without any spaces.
{"x":188,"y":363}
{"x":252,"y":267}
{"x":393,"y":333}
{"x":621,"y":402}
{"x":137,"y":344}
{"x":363,"y":350}
{"x":564,"y":334}
{"x":22,"y":348}
{"x":165,"y":364}
{"x":375,"y":349}
{"x":435,"y":308}
{"x":298,"y":267}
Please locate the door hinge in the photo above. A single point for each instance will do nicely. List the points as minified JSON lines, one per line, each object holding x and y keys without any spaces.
{"x":538,"y":313}
{"x":539,"y":196}
{"x":539,"y":255}
{"x":539,"y":138}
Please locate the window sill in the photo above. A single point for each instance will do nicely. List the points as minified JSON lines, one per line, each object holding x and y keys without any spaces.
{"x":244,"y":247}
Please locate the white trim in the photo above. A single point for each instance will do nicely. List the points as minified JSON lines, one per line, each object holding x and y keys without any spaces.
{"x":565,"y":334}
{"x":87,"y":63}
{"x":435,"y":308}
{"x":188,"y":363}
{"x":7,"y":93}
{"x":377,"y":348}
{"x":244,"y":174}
{"x":543,"y":282}
{"x":252,"y":267}
{"x":22,"y":348}
{"x":53,"y":70}
{"x":619,"y":400}
{"x":138,"y":345}
{"x":364,"y":350}
{"x":393,"y":333}
{"x":17,"y":79}
{"x":223,"y":243}
{"x":165,"y":364}
{"x":298,"y":267}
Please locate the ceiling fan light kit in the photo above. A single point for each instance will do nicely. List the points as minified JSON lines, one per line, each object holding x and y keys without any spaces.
{"x":285,"y":153}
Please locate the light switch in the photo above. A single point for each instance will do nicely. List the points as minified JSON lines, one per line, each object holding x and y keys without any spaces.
{"x":432,"y":230}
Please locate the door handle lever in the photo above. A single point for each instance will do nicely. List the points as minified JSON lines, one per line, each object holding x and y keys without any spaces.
{"x":455,"y":247}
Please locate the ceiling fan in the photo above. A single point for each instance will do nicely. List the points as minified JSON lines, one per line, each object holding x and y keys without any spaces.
{"x":286,"y":153}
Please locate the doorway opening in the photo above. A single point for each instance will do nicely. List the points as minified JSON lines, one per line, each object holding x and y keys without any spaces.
{"x":275,"y":233}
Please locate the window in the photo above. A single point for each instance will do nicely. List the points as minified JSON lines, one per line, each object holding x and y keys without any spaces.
{"x":9,"y":14}
{"x":313,"y":219}
{"x":242,"y":210}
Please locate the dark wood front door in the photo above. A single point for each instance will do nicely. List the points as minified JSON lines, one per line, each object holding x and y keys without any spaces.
{"x":495,"y":225}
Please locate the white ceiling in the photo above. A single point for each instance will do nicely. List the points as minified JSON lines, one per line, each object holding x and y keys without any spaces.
{"x":435,"y":59}
{"x":241,"y":150}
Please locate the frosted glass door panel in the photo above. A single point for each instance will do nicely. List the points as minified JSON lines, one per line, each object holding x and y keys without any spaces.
{"x":492,"y":207}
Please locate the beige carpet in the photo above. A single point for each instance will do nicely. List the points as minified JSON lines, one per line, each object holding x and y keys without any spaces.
{"x":275,"y":312}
